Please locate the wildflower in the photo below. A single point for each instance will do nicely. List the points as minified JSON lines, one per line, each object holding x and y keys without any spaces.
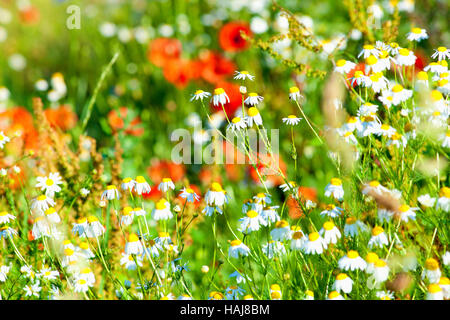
{"x":275,"y":292}
{"x":237,"y":123}
{"x":374,"y":186}
{"x":334,"y":295}
{"x":400,"y":94}
{"x":443,"y":201}
{"x":380,"y":271}
{"x":33,"y":290}
{"x":352,"y":261}
{"x":4,"y":270}
{"x":88,"y":275}
{"x":3,"y":139}
{"x":397,"y":140}
{"x":233,"y":292}
{"x":253,"y":99}
{"x":269,"y":215}
{"x":315,"y":244}
{"x":369,"y":50}
{"x":134,"y":245}
{"x":7,"y":232}
{"x":41,"y":203}
{"x":216,"y":196}
{"x":28,"y":271}
{"x":110,"y":193}
{"x":84,"y":192}
{"x":335,"y":189}
{"x":273,"y":248}
{"x":406,"y":212}
{"x":40,"y":228}
{"x":343,"y":283}
{"x":281,"y":231}
{"x":332,"y":211}
{"x":253,"y":117}
{"x":288,"y":186}
{"x":344,"y":66}
{"x":189,"y":194}
{"x":377,"y":82}
{"x":215,"y":295}
{"x":162,"y":210}
{"x":94,"y":228}
{"x":294,"y":93}
{"x":444,"y":283}
{"x":141,"y":186}
{"x":330,"y":233}
{"x":446,"y":258}
{"x":372,"y":63}
{"x":230,"y":38}
{"x":127,"y":216}
{"x":200,"y":95}
{"x":184,"y":297}
{"x":163,"y":239}
{"x":81,"y":285}
{"x":431,"y":270}
{"x":359,"y":78}
{"x":353,"y":226}
{"x":441,"y":53}
{"x":291,"y":120}
{"x":435,"y":67}
{"x":309,"y":295}
{"x":435,"y":292}
{"x":85,"y":250}
{"x":80,"y":227}
{"x":379,"y":238}
{"x":426,"y":200}
{"x":129,"y":263}
{"x":417,"y":34}
{"x":5,"y":217}
{"x":127,"y":184}
{"x":139,"y":212}
{"x":166,"y":184}
{"x":220,"y":97}
{"x":50,"y":184}
{"x":446,"y":139}
{"x":242,"y":75}
{"x":385,"y":295}
{"x":205,"y":269}
{"x":251,"y":222}
{"x":52,"y":215}
{"x":298,"y":239}
{"x":405,"y":57}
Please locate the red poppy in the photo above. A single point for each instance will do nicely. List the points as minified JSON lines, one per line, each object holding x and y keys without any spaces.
{"x":304,"y":193}
{"x":29,"y":15}
{"x":117,"y":121}
{"x":154,"y":194}
{"x":160,"y":169}
{"x":162,"y":50}
{"x":214,"y":66}
{"x":18,"y":119}
{"x":232,"y":91}
{"x":230,"y":38}
{"x":62,"y":117}
{"x":178,"y":72}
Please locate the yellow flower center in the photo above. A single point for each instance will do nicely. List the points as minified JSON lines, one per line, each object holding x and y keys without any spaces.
{"x":416,"y":30}
{"x":133,"y":237}
{"x":140,"y":179}
{"x":235,"y":243}
{"x":49,"y":211}
{"x":275,"y":295}
{"x":127,"y":211}
{"x":41,"y":198}
{"x":49,"y":182}
{"x":330,"y":207}
{"x":434,"y":288}
{"x":397,"y":88}
{"x":81,"y":281}
{"x":252,"y":214}
{"x":422,"y":75}
{"x":281,"y":224}
{"x":84,"y":245}
{"x":92,"y":219}
{"x":368,"y":47}
{"x":244,"y":72}
{"x":111,"y":187}
{"x":442,"y":82}
{"x":445,"y":191}
{"x":375,"y":183}
{"x":292,"y":116}
{"x":198,"y":92}
{"x":215,"y":186}
{"x":442,"y":49}
{"x":68,"y":252}
{"x":336,"y":182}
{"x":252,"y":94}
{"x":403,"y":52}
{"x":275,"y":287}
{"x":371,"y":60}
{"x":236,"y":120}
{"x":127,"y":180}
{"x":329,"y":225}
{"x":431,"y":264}
{"x":309,"y":293}
{"x":384,"y":54}
{"x":219,"y":91}
{"x":341,"y":276}
{"x":350,"y":220}
{"x":377,"y":230}
{"x":436,"y":95}
{"x":3,"y":213}
{"x":393,"y":45}
{"x":86,"y":271}
{"x":297,"y":235}
{"x":161,"y":204}
{"x":333,"y":295}
{"x":313,"y":236}
{"x":163,"y":235}
{"x":294,"y":89}
{"x":253,"y":112}
{"x":352,"y":254}
{"x":352,"y":120}
{"x":340,"y":63}
{"x":403,"y":208}
{"x":380,"y":263}
{"x":358,"y":74}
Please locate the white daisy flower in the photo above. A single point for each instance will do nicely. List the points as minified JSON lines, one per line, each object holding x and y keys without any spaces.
{"x":431,"y":270}
{"x":141,"y":186}
{"x":237,"y":123}
{"x":330,"y":233}
{"x":405,"y":57}
{"x":343,"y":66}
{"x":253,"y":117}
{"x":334,"y":188}
{"x":33,"y":290}
{"x":343,"y":283}
{"x":162,"y":210}
{"x":406,"y":212}
{"x":379,"y":238}
{"x":94,"y":228}
{"x":417,"y":34}
{"x":270,"y":215}
{"x":237,"y":249}
{"x":294,"y":94}
{"x":41,"y":203}
{"x":334,"y":295}
{"x":3,"y":139}
{"x":110,"y":193}
{"x":127,"y":184}
{"x":273,"y":248}
{"x":200,"y":95}
{"x":426,"y":200}
{"x":281,"y":231}
{"x":385,"y":295}
{"x":380,"y":271}
{"x":251,"y":222}
{"x":443,"y":201}
{"x":315,"y":244}
{"x":52,"y":215}
{"x":134,"y":245}
{"x":332,"y":211}
{"x":291,"y":120}
{"x":441,"y":53}
{"x":220,"y":97}
{"x":369,"y":50}
{"x":352,"y":261}
{"x":353,"y":226}
{"x":298,"y":239}
{"x":127,"y":216}
{"x":435,"y":292}
{"x":243,"y":75}
{"x":6,"y":217}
